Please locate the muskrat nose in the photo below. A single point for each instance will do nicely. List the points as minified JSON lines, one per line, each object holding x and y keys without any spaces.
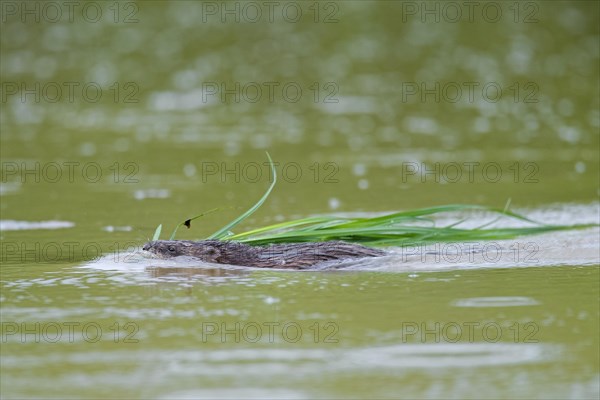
{"x":147,"y":246}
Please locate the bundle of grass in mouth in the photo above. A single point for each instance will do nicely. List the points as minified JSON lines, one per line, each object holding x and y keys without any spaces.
{"x":306,"y":242}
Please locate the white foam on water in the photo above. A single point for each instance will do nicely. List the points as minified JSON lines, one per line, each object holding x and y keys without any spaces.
{"x":504,"y":301}
{"x":13,"y":225}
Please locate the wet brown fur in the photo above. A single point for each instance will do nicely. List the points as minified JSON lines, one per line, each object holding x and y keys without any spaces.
{"x":290,"y":255}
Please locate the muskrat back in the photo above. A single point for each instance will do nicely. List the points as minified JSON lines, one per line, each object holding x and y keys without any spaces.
{"x":289,"y":255}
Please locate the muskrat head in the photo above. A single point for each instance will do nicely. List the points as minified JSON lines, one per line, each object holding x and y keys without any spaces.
{"x":204,"y":250}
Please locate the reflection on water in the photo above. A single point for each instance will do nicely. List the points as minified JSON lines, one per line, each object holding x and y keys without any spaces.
{"x":514,"y":301}
{"x":190,"y":273}
{"x":11,"y":225}
{"x":265,"y":363}
{"x":264,"y":367}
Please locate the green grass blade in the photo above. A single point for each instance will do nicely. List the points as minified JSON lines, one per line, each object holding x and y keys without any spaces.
{"x":225,"y":230}
{"x":157,"y":233}
{"x":282,"y":225}
{"x":396,"y":229}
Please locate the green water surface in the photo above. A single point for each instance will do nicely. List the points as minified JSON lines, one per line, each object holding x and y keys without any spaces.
{"x":371,"y":110}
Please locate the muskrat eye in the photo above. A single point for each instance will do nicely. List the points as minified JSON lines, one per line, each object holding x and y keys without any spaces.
{"x":171,"y":249}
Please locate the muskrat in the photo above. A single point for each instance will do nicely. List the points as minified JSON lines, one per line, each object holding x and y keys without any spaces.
{"x":290,"y":255}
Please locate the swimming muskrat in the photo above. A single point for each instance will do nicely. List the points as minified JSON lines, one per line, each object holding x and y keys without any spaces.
{"x":291,"y":255}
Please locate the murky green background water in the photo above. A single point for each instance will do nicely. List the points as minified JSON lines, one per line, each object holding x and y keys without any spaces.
{"x":119,"y":116}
